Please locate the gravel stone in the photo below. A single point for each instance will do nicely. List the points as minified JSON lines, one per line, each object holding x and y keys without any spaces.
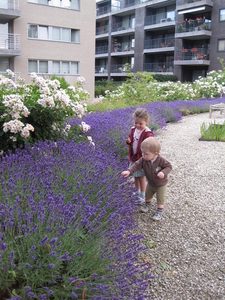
{"x":188,"y":255}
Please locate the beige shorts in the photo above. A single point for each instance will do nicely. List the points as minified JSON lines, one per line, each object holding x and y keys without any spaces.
{"x":160,"y":193}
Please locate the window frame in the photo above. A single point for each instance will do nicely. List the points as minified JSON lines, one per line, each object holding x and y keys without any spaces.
{"x":221,"y":15}
{"x":72,"y":5}
{"x":73,"y":32}
{"x":219,"y":40}
{"x":50,"y":67}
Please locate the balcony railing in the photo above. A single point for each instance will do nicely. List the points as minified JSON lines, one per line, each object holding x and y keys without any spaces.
{"x":122,"y":26}
{"x":193,"y":25}
{"x":10,"y":4}
{"x":158,"y":67}
{"x":102,"y":29}
{"x":121,"y":68}
{"x":121,"y":47}
{"x":101,"y":10}
{"x":159,"y":43}
{"x":182,"y":2}
{"x":101,"y":69}
{"x":192,"y":54}
{"x":9,"y":41}
{"x":159,"y":18}
{"x":101,"y":49}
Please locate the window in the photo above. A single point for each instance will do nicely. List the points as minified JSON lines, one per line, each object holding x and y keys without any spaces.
{"x":53,"y":33}
{"x":32,"y":66}
{"x":70,"y":4}
{"x":221,"y":45}
{"x":43,"y":32}
{"x":33,"y":31}
{"x":56,"y":36}
{"x":53,"y":67}
{"x":66,"y":36}
{"x":222,"y":14}
{"x":4,"y":64}
{"x":65,"y":67}
{"x":43,"y":66}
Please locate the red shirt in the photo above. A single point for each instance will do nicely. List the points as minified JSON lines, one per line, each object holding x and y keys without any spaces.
{"x":144,"y":135}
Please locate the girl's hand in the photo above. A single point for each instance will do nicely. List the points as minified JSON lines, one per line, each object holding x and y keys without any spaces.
{"x":161,"y":175}
{"x":125,"y":174}
{"x":128,"y":141}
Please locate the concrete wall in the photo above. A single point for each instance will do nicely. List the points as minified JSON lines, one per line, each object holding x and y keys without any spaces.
{"x":218,"y":32}
{"x":83,"y":52}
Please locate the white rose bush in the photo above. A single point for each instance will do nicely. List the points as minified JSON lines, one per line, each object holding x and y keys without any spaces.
{"x":38,"y":111}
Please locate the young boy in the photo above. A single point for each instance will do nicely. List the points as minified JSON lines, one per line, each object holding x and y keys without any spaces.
{"x":156,"y":169}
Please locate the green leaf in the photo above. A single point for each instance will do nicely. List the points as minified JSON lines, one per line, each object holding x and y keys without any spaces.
{"x":150,"y":244}
{"x":164,"y":266}
{"x":14,"y":292}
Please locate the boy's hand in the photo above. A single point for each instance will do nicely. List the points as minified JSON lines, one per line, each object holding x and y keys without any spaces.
{"x":161,"y":175}
{"x":125,"y":174}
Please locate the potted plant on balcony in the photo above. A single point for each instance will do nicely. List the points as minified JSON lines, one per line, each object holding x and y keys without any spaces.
{"x":184,"y":50}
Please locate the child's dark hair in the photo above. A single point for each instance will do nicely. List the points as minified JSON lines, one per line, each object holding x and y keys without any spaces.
{"x":141,"y":113}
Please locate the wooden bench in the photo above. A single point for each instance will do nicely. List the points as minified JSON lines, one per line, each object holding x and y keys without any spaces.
{"x":219,"y":106}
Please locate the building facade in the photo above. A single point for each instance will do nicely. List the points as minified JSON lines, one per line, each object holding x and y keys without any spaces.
{"x":48,"y":37}
{"x":180,"y":37}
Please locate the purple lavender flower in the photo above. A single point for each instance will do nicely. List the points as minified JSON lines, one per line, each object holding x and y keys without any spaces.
{"x":53,"y":240}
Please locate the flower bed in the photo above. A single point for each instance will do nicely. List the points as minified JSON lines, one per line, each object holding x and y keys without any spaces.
{"x":67,"y":214}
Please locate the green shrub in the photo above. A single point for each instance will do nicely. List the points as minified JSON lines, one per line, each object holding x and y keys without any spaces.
{"x":164,"y":78}
{"x":63,"y":83}
{"x":105,"y":85}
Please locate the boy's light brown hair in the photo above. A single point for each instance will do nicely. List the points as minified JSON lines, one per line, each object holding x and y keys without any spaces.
{"x":151,"y":144}
{"x":141,"y":113}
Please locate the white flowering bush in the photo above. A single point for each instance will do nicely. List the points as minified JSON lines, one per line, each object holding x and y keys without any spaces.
{"x":38,"y":111}
{"x":140,"y":88}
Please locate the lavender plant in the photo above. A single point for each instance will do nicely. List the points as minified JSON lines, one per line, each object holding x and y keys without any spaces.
{"x":66,"y":225}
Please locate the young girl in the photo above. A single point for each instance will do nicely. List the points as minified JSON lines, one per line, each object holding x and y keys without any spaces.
{"x":138,"y":133}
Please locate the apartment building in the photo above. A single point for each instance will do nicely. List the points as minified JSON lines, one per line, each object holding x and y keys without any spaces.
{"x":180,"y":37}
{"x":48,"y":37}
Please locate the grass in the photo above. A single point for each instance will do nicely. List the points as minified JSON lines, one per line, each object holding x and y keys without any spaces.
{"x":214,"y":132}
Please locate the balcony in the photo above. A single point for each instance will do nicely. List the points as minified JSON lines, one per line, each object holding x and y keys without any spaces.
{"x":102,"y":10}
{"x":159,"y":45}
{"x":101,"y":71}
{"x":122,"y":49}
{"x":119,"y":5}
{"x":158,"y":21}
{"x":120,"y":70}
{"x":9,"y":44}
{"x":102,"y":30}
{"x":101,"y":50}
{"x":9,"y":10}
{"x":121,"y":26}
{"x":162,"y":67}
{"x":187,"y":4}
{"x":194,"y":29}
{"x":194,"y":56}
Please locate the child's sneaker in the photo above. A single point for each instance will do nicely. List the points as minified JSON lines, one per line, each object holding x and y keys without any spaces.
{"x":158,"y":215}
{"x":146,"y":207}
{"x":139,"y":201}
{"x":137,"y":193}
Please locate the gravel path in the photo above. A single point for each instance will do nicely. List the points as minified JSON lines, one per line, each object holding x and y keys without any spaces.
{"x":187,"y":247}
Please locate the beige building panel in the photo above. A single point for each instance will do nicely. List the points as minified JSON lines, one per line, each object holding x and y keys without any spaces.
{"x":83,"y":52}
